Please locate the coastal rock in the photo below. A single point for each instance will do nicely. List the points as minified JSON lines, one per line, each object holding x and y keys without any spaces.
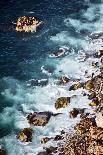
{"x":58,"y":137}
{"x":98,"y":54}
{"x":75,"y":112}
{"x":27,"y":24}
{"x":99,"y":120}
{"x":2,"y":151}
{"x":45,"y":140}
{"x":64,"y":80}
{"x":95,"y":149}
{"x":92,"y":96}
{"x":94,"y":102}
{"x":75,"y":86}
{"x":40,"y":118}
{"x":25,"y":135}
{"x":34,"y":82}
{"x":89,"y":85}
{"x":62,"y":102}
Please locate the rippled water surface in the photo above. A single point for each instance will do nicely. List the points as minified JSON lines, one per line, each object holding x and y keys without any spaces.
{"x":67,"y":24}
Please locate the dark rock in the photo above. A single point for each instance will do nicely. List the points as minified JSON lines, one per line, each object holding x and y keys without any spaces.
{"x":75,"y":112}
{"x":92,"y":96}
{"x":40,"y":118}
{"x":34,"y":82}
{"x":98,"y":54}
{"x":76,"y":86}
{"x":58,"y":137}
{"x":62,"y":102}
{"x":27,"y":24}
{"x":2,"y":151}
{"x":64,"y":80}
{"x":45,"y":140}
{"x":89,"y":85}
{"x":25,"y":135}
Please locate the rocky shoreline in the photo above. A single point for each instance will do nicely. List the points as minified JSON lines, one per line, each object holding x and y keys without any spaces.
{"x":87,"y":137}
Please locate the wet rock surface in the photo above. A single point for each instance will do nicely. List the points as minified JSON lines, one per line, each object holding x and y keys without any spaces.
{"x":25,"y":135}
{"x":27,"y":24}
{"x":2,"y":152}
{"x":40,"y":118}
{"x":75,"y":112}
{"x":62,"y":102}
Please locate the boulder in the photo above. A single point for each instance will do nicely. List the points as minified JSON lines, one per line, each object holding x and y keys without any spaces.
{"x":94,"y":102}
{"x":75,"y":112}
{"x":62,"y":102}
{"x":2,"y":151}
{"x":89,"y":85}
{"x":45,"y":140}
{"x":98,"y":54}
{"x":27,"y":24}
{"x":25,"y":135}
{"x":75,"y":86}
{"x":64,"y":80}
{"x":40,"y":118}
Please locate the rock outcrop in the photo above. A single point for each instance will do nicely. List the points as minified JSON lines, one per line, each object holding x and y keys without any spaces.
{"x":27,"y":24}
{"x":25,"y":135}
{"x":62,"y":102}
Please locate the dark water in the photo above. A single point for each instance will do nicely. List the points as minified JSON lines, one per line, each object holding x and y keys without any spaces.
{"x":18,"y":50}
{"x":23,"y":54}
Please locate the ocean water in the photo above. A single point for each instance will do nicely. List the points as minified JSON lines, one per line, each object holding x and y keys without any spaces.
{"x":73,"y":25}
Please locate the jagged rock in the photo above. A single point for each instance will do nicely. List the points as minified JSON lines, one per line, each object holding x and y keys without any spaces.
{"x":75,"y":112}
{"x":96,"y":133}
{"x":92,"y":96}
{"x":45,"y":140}
{"x":89,"y":85}
{"x":43,"y":153}
{"x":40,"y":118}
{"x":94,"y":102}
{"x":62,"y":102}
{"x":58,"y":137}
{"x":27,"y":24}
{"x":34,"y":82}
{"x":76,"y":86}
{"x":95,"y":64}
{"x":25,"y":135}
{"x":64,"y":80}
{"x":2,"y":151}
{"x":51,"y":149}
{"x":98,"y":53}
{"x":99,"y":120}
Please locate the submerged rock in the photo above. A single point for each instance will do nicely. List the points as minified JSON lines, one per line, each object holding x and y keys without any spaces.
{"x":76,"y":86}
{"x":75,"y":112}
{"x":89,"y":85}
{"x":2,"y":151}
{"x":45,"y":140}
{"x":62,"y":102}
{"x":98,"y":54}
{"x":94,"y":102}
{"x":27,"y":24}
{"x":25,"y":135}
{"x":64,"y":80}
{"x":40,"y":118}
{"x":34,"y":82}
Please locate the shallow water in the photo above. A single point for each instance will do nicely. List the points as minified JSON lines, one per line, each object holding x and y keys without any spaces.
{"x":73,"y":24}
